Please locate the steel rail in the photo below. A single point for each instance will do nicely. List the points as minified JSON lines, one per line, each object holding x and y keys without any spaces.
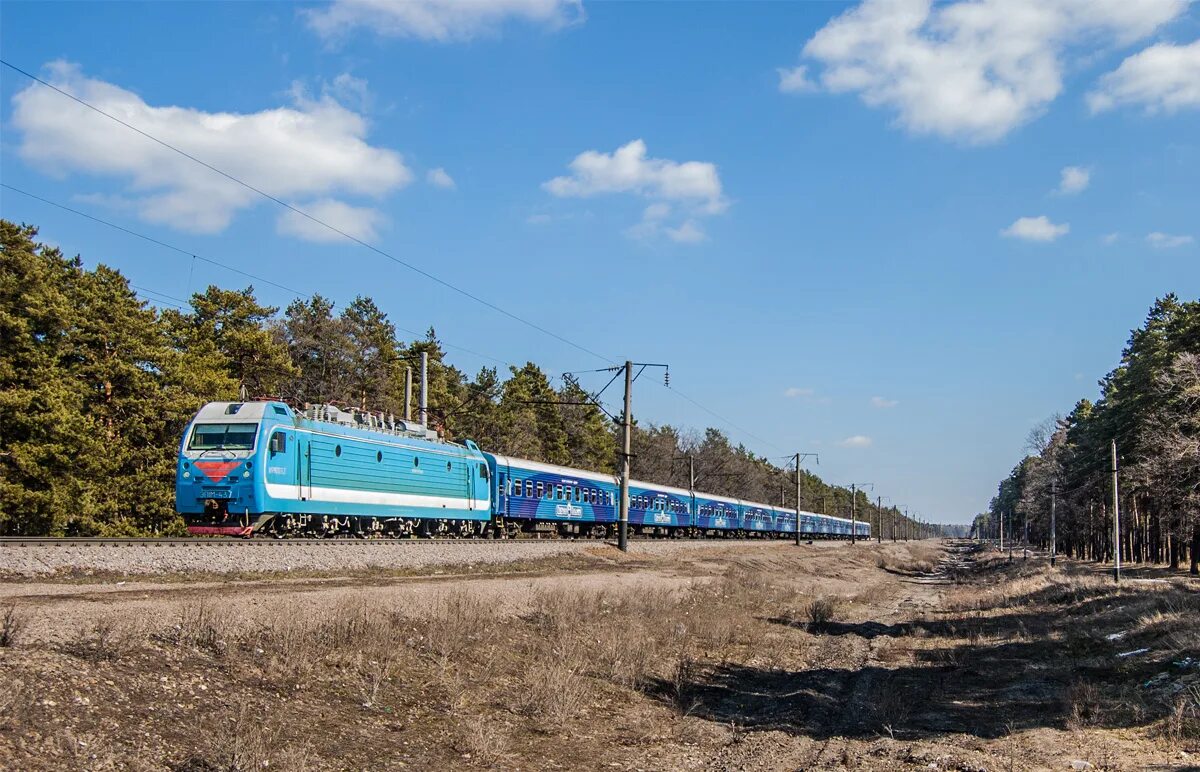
{"x":105,"y":541}
{"x":197,"y":541}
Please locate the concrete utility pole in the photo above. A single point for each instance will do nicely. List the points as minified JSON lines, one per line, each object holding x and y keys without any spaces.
{"x":1002,"y":530}
{"x":879,"y":519}
{"x":853,"y":524}
{"x":800,"y":488}
{"x":424,"y":414}
{"x":1116,"y":518}
{"x":407,"y":394}
{"x":623,"y":520}
{"x":1053,"y":520}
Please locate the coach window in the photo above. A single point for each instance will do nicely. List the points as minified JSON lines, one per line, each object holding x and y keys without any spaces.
{"x":549,"y":491}
{"x":558,"y":492}
{"x":539,"y":490}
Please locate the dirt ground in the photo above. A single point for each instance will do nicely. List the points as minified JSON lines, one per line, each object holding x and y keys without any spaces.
{"x":750,"y":656}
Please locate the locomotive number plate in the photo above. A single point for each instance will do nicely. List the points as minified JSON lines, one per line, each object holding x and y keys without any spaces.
{"x":218,"y":493}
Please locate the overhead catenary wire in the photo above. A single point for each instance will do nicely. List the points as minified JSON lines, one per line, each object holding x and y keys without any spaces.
{"x":194,"y":256}
{"x":311,"y":218}
{"x":152,"y":240}
{"x":316,"y":220}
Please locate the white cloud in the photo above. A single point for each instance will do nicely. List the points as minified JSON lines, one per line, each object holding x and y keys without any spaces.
{"x":689,"y":232}
{"x":1036,"y":229}
{"x":795,"y":80}
{"x":440,"y":179}
{"x":689,"y":189}
{"x":442,"y":21}
{"x":1161,"y":78}
{"x":1160,"y":240}
{"x":882,"y":403}
{"x":795,"y":391}
{"x":538,"y":219}
{"x":1110,"y":238}
{"x":313,"y":149}
{"x":628,"y":170}
{"x":856,"y":441}
{"x":971,"y":70}
{"x":1075,"y":179}
{"x":359,"y":222}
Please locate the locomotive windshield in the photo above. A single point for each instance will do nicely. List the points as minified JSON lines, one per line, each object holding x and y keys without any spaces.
{"x":223,"y":437}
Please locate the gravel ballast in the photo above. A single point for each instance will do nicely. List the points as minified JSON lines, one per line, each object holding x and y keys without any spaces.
{"x":49,"y":560}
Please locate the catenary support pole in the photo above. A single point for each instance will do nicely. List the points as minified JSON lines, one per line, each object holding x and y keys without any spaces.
{"x":879,"y":519}
{"x":1116,"y":507}
{"x":853,"y":519}
{"x":799,"y":485}
{"x":407,"y":394}
{"x":627,"y":425}
{"x":1002,"y":530}
{"x":424,"y":407}
{"x":692,"y":487}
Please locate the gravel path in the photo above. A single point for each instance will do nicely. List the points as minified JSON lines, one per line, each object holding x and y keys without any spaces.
{"x":47,"y":561}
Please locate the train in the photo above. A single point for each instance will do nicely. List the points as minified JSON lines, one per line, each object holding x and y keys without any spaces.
{"x":260,"y":467}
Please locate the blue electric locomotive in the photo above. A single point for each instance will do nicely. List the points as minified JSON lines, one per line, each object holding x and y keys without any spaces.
{"x":262,"y":467}
{"x":249,"y":467}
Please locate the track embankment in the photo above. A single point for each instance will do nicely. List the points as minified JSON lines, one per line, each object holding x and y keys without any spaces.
{"x":104,"y":558}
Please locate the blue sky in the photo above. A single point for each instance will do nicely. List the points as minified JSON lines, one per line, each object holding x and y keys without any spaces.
{"x":895,"y":235}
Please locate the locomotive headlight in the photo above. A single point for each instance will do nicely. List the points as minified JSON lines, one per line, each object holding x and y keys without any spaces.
{"x":187,"y":474}
{"x":245,"y":474}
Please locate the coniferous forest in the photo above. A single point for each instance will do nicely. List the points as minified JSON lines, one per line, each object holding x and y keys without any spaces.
{"x":1150,"y":405}
{"x":96,"y":387}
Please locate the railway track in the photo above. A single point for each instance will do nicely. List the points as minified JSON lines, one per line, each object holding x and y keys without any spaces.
{"x":99,"y":541}
{"x":173,"y":542}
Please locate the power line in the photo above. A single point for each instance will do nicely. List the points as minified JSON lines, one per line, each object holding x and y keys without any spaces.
{"x":151,"y":239}
{"x":308,"y":216}
{"x":334,"y":229}
{"x":723,"y":419}
{"x":158,"y":242}
{"x":176,"y":303}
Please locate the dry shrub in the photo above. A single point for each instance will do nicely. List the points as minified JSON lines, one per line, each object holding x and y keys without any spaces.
{"x":554,"y":689}
{"x":684,"y":678}
{"x":104,"y":641}
{"x":556,"y":612}
{"x":484,"y":740}
{"x":202,"y":626}
{"x":821,"y":611}
{"x":257,"y":741}
{"x":14,"y":699}
{"x":1183,"y":717}
{"x":1084,"y":705}
{"x":11,"y":625}
{"x":457,"y":622}
{"x":623,"y":654}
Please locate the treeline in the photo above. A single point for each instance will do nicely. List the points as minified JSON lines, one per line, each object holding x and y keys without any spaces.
{"x":1150,"y":406}
{"x":96,"y":388}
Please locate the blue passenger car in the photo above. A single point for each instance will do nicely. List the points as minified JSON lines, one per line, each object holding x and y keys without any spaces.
{"x":532,"y":496}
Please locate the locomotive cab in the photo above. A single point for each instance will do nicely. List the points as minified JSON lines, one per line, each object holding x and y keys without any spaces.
{"x":214,"y":481}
